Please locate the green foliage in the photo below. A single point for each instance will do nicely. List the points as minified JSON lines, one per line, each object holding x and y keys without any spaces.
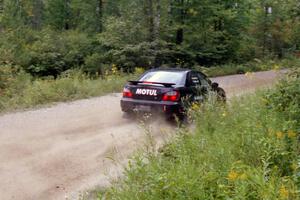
{"x":19,"y":90}
{"x":46,"y":52}
{"x":94,"y":64}
{"x":242,"y":151}
{"x":8,"y":76}
{"x":286,"y":98}
{"x":252,"y":66}
{"x":58,"y":14}
{"x":50,"y":37}
{"x":13,"y":13}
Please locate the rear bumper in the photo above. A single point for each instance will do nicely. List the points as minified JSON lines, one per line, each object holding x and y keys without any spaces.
{"x":167,"y":108}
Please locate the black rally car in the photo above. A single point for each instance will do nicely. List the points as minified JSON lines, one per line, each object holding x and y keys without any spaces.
{"x":163,"y":91}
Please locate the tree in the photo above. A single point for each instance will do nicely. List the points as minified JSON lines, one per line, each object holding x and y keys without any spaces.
{"x":1,"y":6}
{"x":13,"y":13}
{"x":99,"y":13}
{"x":1,"y":13}
{"x":37,"y":14}
{"x":59,"y":14}
{"x":157,"y":20}
{"x":149,"y":11}
{"x":180,"y":12}
{"x":147,"y":32}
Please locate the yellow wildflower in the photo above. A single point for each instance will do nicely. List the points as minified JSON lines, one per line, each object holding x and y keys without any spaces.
{"x":279,"y":135}
{"x":291,"y":134}
{"x":114,"y":69}
{"x":224,"y":114}
{"x":283,"y":192}
{"x":232,"y":176}
{"x":195,"y":106}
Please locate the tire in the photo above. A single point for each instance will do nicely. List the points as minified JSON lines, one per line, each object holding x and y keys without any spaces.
{"x":221,"y":94}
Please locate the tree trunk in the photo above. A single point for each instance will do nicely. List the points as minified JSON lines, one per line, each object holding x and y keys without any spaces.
{"x":170,"y":12}
{"x":157,"y":61}
{"x":67,"y":15}
{"x":1,"y":6}
{"x":179,"y":36}
{"x":99,"y":10}
{"x":265,"y":29}
{"x":1,"y":13}
{"x":37,"y":14}
{"x":180,"y":31}
{"x":150,"y":14}
{"x":157,"y":20}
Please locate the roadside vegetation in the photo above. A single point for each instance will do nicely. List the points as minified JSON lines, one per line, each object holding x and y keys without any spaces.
{"x":248,"y":150}
{"x":252,"y":66}
{"x":21,"y":90}
{"x":60,"y":50}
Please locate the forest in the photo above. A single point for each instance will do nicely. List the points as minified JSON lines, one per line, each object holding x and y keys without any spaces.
{"x":49,"y":37}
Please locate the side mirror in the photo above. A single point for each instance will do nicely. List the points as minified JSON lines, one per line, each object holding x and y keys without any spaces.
{"x":215,"y":85}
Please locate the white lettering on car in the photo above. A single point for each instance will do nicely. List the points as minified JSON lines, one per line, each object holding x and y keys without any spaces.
{"x":146,"y":92}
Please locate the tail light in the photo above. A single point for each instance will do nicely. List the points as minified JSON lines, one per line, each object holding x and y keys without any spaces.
{"x":127,"y":93}
{"x":171,"y":96}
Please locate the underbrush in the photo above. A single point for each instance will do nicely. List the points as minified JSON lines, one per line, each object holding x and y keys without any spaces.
{"x":20,"y":90}
{"x":248,"y":149}
{"x":253,"y":66}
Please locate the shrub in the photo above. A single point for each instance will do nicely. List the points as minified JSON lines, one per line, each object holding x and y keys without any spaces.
{"x":242,"y":151}
{"x":46,"y":52}
{"x":94,"y":64}
{"x":286,"y":98}
{"x":52,"y":53}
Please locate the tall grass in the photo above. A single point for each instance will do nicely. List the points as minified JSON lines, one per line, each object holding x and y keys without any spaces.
{"x":254,"y":66}
{"x":246,"y":150}
{"x":22,"y":91}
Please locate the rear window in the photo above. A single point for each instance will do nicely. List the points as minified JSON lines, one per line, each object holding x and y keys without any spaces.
{"x":164,"y":77}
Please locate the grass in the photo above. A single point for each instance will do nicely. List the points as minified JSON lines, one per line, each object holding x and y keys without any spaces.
{"x":19,"y":90}
{"x":254,"y":66}
{"x":25,"y":92}
{"x":246,"y":150}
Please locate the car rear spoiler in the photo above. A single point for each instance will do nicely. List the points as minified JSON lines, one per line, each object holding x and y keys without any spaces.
{"x":149,"y":82}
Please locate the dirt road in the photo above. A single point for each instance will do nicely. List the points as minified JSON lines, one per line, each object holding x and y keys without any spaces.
{"x":52,"y":153}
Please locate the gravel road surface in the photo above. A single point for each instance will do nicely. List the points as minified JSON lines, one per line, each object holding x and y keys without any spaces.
{"x":52,"y":153}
